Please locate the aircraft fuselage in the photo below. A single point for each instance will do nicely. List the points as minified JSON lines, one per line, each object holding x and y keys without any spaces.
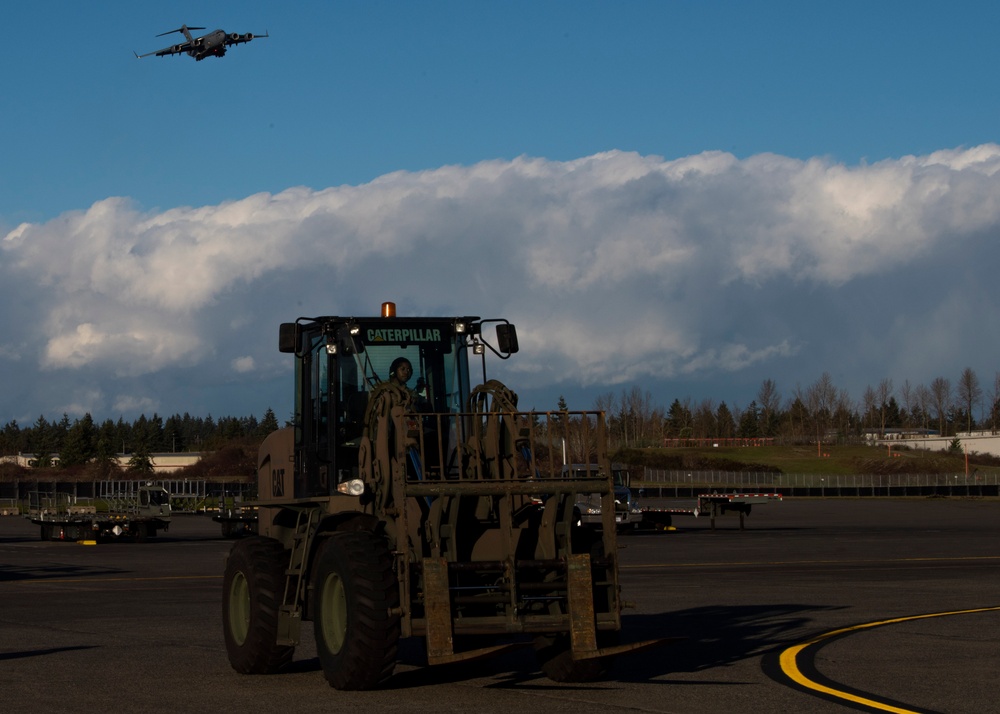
{"x":211,"y":45}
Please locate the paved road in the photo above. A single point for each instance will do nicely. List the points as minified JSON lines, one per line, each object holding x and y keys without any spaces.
{"x":136,"y":627}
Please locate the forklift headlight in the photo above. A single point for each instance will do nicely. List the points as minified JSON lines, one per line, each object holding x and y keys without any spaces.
{"x":354,"y":487}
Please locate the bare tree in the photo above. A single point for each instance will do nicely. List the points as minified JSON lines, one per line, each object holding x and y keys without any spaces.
{"x":924,"y":401}
{"x":634,"y":416}
{"x":821,"y":398}
{"x":941,"y":401}
{"x":798,"y":413}
{"x":605,"y":402}
{"x":843,"y":412}
{"x":868,"y":403}
{"x":737,"y":413}
{"x":658,"y":422}
{"x":908,"y":395}
{"x":883,"y":394}
{"x":769,"y":400}
{"x":969,"y":393}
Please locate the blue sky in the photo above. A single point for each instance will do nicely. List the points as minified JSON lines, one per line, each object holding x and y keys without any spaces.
{"x":685,"y":196}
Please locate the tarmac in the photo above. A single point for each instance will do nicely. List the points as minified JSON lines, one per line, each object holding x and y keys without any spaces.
{"x":819,"y":605}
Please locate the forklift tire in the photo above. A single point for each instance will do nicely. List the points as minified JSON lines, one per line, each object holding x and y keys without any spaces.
{"x":252,"y":590}
{"x":355,"y":611}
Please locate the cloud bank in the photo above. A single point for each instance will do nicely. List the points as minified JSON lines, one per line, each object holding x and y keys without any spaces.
{"x":618,"y":269}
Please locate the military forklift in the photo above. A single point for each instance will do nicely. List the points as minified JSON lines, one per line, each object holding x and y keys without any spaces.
{"x":404,"y":503}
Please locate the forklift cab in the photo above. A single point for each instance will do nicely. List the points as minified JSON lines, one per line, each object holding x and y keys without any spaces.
{"x":341,"y":359}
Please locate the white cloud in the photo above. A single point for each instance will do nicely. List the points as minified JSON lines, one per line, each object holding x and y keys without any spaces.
{"x":243,"y":364}
{"x":134,"y":404}
{"x":617,"y":267}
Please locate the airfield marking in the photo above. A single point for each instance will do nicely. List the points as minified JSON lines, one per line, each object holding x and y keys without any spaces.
{"x":790,"y":665}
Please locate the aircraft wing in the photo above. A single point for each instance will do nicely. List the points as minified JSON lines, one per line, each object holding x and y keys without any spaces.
{"x":236,"y":38}
{"x":172,"y":50}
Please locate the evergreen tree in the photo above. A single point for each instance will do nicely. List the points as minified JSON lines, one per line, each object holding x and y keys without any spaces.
{"x":797,"y":416}
{"x":106,"y":450}
{"x":679,"y":420}
{"x":141,"y":460}
{"x":268,"y":424}
{"x":59,"y":432}
{"x":750,"y":422}
{"x":12,"y":439}
{"x":42,"y":441}
{"x":154,"y":435}
{"x":79,"y":445}
{"x":173,"y":435}
{"x":725,"y":426}
{"x":893,"y":417}
{"x":123,"y":436}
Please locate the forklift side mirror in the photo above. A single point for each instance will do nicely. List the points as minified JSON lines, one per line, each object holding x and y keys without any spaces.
{"x":288,"y":337}
{"x":507,"y":338}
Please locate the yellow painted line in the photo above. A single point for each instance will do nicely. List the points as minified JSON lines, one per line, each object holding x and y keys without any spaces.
{"x":863,"y":561}
{"x":789,"y":658}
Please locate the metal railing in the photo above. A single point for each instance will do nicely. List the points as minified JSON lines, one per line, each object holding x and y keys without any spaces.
{"x":511,"y":446}
{"x":985,"y":484}
{"x":186,"y":496}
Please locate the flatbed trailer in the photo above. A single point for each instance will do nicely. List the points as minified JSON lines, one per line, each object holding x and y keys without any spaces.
{"x":710,"y":504}
{"x":237,"y":522}
{"x":127,"y":517}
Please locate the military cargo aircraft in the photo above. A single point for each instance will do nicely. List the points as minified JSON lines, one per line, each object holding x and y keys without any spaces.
{"x":214,"y":44}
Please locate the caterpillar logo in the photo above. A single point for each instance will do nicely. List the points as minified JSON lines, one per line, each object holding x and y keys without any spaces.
{"x":414,"y":334}
{"x":277,"y":483}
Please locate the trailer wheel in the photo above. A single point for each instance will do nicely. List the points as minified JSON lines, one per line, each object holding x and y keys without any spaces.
{"x":556,"y":659}
{"x":252,"y":591}
{"x":355,"y":614}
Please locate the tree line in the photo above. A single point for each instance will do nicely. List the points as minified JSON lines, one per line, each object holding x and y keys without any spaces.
{"x":819,"y":411}
{"x":83,"y":441}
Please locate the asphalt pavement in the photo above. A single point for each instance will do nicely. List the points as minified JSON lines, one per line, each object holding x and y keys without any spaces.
{"x":817,"y":606}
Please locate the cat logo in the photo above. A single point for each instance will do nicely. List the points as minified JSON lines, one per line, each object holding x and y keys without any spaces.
{"x":277,"y":483}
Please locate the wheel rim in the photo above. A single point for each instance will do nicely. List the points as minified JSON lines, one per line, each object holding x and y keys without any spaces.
{"x":333,"y":612}
{"x":239,"y":608}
